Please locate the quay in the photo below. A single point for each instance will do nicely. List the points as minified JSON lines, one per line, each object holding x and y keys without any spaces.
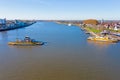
{"x":14,"y":24}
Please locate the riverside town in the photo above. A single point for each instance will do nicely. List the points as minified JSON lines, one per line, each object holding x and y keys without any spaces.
{"x":99,"y":30}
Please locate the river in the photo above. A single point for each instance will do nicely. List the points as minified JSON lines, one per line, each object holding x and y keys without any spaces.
{"x":66,"y":55}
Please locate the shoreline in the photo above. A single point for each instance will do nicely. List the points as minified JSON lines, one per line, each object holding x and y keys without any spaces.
{"x":13,"y":26}
{"x":95,"y":32}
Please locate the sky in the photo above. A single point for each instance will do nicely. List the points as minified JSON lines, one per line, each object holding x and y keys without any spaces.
{"x":60,"y":9}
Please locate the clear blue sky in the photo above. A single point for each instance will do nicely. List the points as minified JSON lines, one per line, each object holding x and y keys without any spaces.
{"x":60,"y":9}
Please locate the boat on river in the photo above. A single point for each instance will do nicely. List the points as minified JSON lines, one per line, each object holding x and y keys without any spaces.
{"x":26,"y":42}
{"x":103,"y":39}
{"x":69,"y":24}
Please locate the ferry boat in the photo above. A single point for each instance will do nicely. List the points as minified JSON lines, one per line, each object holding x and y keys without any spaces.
{"x":26,"y":42}
{"x":103,"y":39}
{"x":69,"y":24}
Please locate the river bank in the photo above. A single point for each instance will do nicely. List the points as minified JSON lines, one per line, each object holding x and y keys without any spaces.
{"x":101,"y":33}
{"x":96,"y":31}
{"x":14,"y":24}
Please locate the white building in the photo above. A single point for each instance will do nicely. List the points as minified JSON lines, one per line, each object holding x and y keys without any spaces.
{"x":116,"y":27}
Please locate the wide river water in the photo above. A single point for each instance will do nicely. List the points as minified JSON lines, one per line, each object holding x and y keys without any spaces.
{"x":66,"y":55}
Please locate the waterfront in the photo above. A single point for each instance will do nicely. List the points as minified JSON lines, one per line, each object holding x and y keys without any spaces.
{"x":67,"y":55}
{"x":6,"y":25}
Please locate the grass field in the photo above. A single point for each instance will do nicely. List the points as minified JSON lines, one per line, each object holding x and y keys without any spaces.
{"x":90,"y":29}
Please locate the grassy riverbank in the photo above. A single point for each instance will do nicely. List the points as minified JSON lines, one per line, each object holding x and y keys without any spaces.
{"x":91,"y":29}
